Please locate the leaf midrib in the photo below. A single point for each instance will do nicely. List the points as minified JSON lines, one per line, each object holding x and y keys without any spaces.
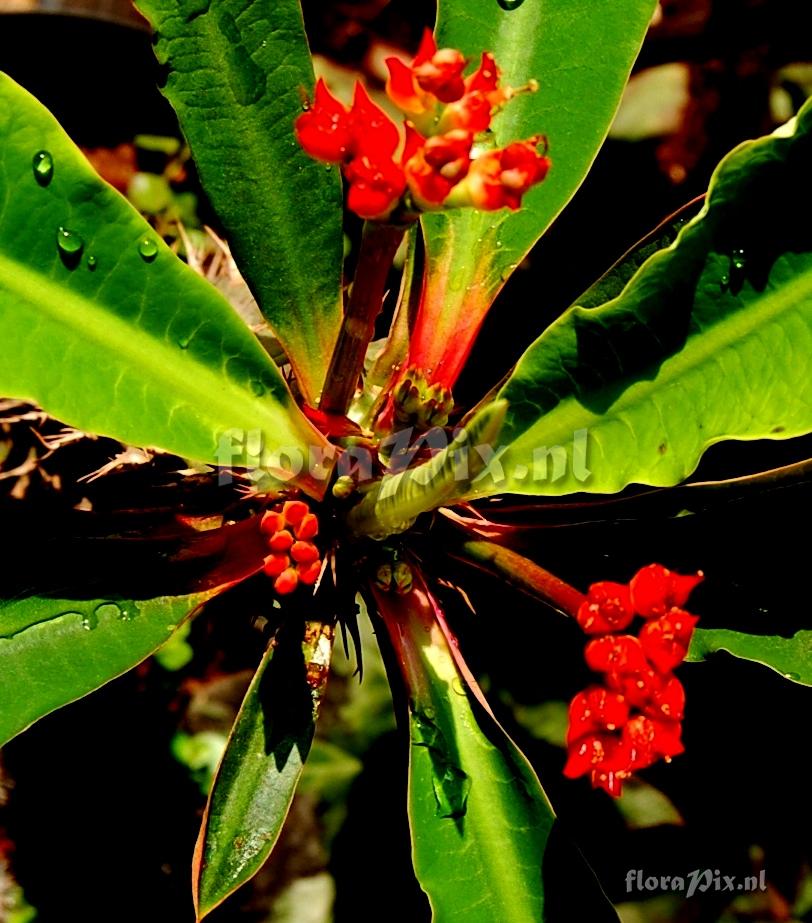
{"x":141,"y":350}
{"x":699,"y":349}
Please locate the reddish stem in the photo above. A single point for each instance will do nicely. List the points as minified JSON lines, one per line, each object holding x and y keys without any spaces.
{"x":524,"y":573}
{"x":378,"y":247}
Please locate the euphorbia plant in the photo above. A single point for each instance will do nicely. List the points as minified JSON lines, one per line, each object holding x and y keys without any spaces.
{"x":365,"y":472}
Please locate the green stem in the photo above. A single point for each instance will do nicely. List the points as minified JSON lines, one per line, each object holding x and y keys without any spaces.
{"x":379,"y":244}
{"x":524,"y":574}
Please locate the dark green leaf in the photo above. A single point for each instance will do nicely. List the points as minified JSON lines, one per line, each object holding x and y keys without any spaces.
{"x":238,"y":74}
{"x":111,"y":332}
{"x":54,"y":651}
{"x":710,"y":340}
{"x":257,"y":777}
{"x":791,"y":657}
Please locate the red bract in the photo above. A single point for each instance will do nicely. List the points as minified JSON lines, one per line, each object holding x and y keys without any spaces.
{"x":608,"y":608}
{"x":637,"y":688}
{"x":655,"y":589}
{"x":499,"y":179}
{"x":589,"y":752}
{"x":668,"y":701}
{"x":638,"y":676}
{"x":325,"y":130}
{"x":615,"y":654}
{"x":482,"y":97}
{"x":645,"y":740}
{"x":433,"y":76}
{"x":665,"y":640}
{"x":437,"y":165}
{"x":596,"y":709}
{"x":375,"y":186}
{"x":374,"y":133}
{"x":448,"y":111}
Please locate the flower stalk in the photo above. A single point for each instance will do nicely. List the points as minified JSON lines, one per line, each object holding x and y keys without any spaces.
{"x":379,"y":244}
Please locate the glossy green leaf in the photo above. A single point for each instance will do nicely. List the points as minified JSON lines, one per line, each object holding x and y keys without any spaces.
{"x":238,"y":73}
{"x":791,"y":657}
{"x":105,"y":328}
{"x":580,"y":54}
{"x":261,"y":767}
{"x":479,"y":818}
{"x":710,"y":340}
{"x":54,"y":651}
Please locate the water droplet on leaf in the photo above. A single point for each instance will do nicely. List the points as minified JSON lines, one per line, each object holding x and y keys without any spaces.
{"x":69,"y":242}
{"x":737,"y":260}
{"x":43,"y":166}
{"x":184,"y":342}
{"x":129,"y":611}
{"x":147,"y":249}
{"x":91,"y":262}
{"x":109,"y":610}
{"x":510,"y":5}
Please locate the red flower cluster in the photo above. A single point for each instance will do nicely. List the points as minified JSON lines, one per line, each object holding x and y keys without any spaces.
{"x":435,"y":162}
{"x":294,"y":558}
{"x":633,"y":718}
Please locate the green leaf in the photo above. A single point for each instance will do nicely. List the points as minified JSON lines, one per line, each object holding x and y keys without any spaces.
{"x":260,"y":769}
{"x":54,"y":651}
{"x":238,"y":72}
{"x":581,"y":55}
{"x":129,"y":345}
{"x":791,"y":657}
{"x":710,"y":340}
{"x":479,"y":817}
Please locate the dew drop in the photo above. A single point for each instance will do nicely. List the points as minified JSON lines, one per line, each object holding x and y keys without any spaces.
{"x":510,"y":5}
{"x":69,"y":242}
{"x":737,"y":260}
{"x":184,"y":342}
{"x":129,"y":611}
{"x":147,"y":249}
{"x":108,"y":610}
{"x":91,"y":263}
{"x":793,"y":676}
{"x":43,"y":165}
{"x":90,"y":621}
